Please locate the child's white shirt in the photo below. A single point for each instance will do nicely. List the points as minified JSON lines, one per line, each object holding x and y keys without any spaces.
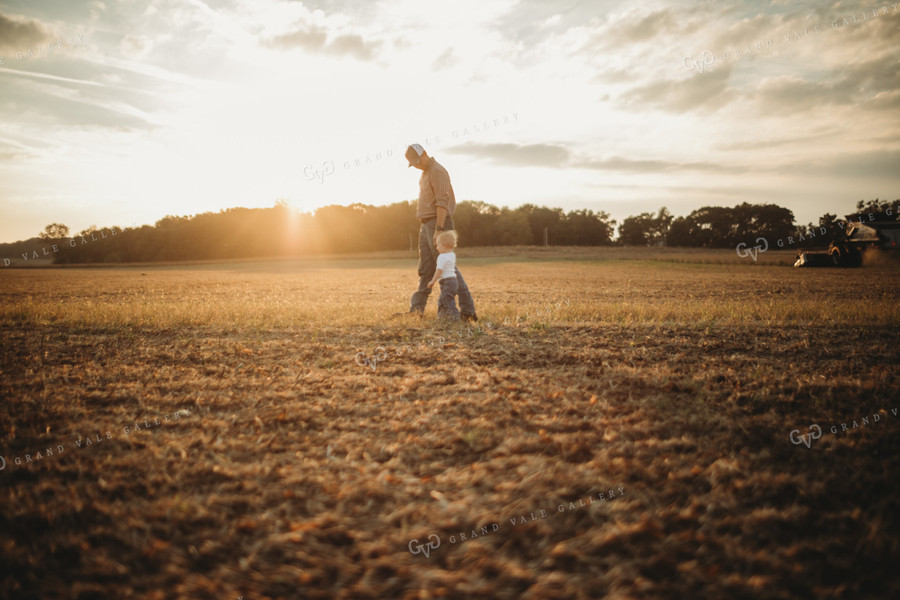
{"x":446,"y":262}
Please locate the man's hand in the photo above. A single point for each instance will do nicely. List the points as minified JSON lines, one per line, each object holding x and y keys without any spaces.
{"x":430,"y":285}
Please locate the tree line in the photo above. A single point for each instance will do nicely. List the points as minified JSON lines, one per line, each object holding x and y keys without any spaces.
{"x":724,"y":227}
{"x":282,"y":231}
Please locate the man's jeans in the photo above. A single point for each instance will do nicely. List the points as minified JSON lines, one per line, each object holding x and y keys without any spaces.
{"x":428,"y":263}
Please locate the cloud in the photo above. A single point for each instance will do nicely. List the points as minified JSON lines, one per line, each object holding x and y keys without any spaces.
{"x":709,"y":91}
{"x":64,"y":104}
{"x":769,"y":143}
{"x":27,"y":74}
{"x":14,"y":150}
{"x":444,"y":61}
{"x":750,"y":29}
{"x":135,"y":46}
{"x":629,"y":165}
{"x":54,"y":100}
{"x":307,"y":38}
{"x":515,"y":155}
{"x":786,"y":94}
{"x":886,"y":101}
{"x":353,"y":45}
{"x":849,"y":85}
{"x":531,"y":22}
{"x":873,"y":164}
{"x":616,"y":75}
{"x":642,"y":28}
{"x":363,"y":11}
{"x":97,"y":9}
{"x":21,"y":34}
{"x":314,"y":38}
{"x":558,"y":156}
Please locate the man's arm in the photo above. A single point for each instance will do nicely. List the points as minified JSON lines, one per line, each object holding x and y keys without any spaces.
{"x":439,"y":223}
{"x":440,"y":185}
{"x":441,"y":216}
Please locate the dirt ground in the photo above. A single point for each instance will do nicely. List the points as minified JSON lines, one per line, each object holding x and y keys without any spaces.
{"x":652,"y":428}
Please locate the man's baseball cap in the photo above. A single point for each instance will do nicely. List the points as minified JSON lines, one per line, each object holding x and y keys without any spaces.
{"x":414,"y":153}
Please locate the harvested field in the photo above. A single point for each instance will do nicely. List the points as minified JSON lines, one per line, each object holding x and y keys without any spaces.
{"x":266,"y":430}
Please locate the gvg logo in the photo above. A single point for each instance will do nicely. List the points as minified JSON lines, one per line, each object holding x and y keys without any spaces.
{"x":381,"y":353}
{"x":706,"y":59}
{"x":363,"y":360}
{"x":815,"y":432}
{"x":762,"y":244}
{"x":310,"y":172}
{"x":434,"y":542}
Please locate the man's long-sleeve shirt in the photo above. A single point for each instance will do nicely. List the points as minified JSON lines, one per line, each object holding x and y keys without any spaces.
{"x":435,"y":190}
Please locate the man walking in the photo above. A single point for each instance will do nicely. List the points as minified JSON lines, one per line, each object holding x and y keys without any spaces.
{"x":435,"y":213}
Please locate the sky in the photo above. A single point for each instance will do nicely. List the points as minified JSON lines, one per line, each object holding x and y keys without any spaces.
{"x":120,"y":112}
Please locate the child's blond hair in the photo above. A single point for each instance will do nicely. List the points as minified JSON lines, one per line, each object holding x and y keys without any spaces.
{"x":448,"y":238}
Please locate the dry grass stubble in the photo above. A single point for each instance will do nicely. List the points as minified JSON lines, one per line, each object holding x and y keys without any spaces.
{"x":301,"y":473}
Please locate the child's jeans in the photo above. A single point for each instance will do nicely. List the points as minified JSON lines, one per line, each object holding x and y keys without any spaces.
{"x":447,"y":300}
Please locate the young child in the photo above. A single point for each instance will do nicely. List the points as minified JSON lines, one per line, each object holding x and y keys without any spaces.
{"x":446,"y":273}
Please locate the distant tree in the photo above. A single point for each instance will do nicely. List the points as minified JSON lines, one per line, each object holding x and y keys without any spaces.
{"x":760,"y":220}
{"x":586,"y":228}
{"x":393,"y":226}
{"x":679,"y":233}
{"x":882,"y":210}
{"x":281,"y":230}
{"x":54,"y":232}
{"x":661,"y":225}
{"x":541,"y":218}
{"x":721,"y":227}
{"x":710,"y":226}
{"x":344,"y":228}
{"x":477,"y":222}
{"x":513,"y":228}
{"x":827,"y":220}
{"x":645,"y":229}
{"x":637,"y":230}
{"x":834,"y":229}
